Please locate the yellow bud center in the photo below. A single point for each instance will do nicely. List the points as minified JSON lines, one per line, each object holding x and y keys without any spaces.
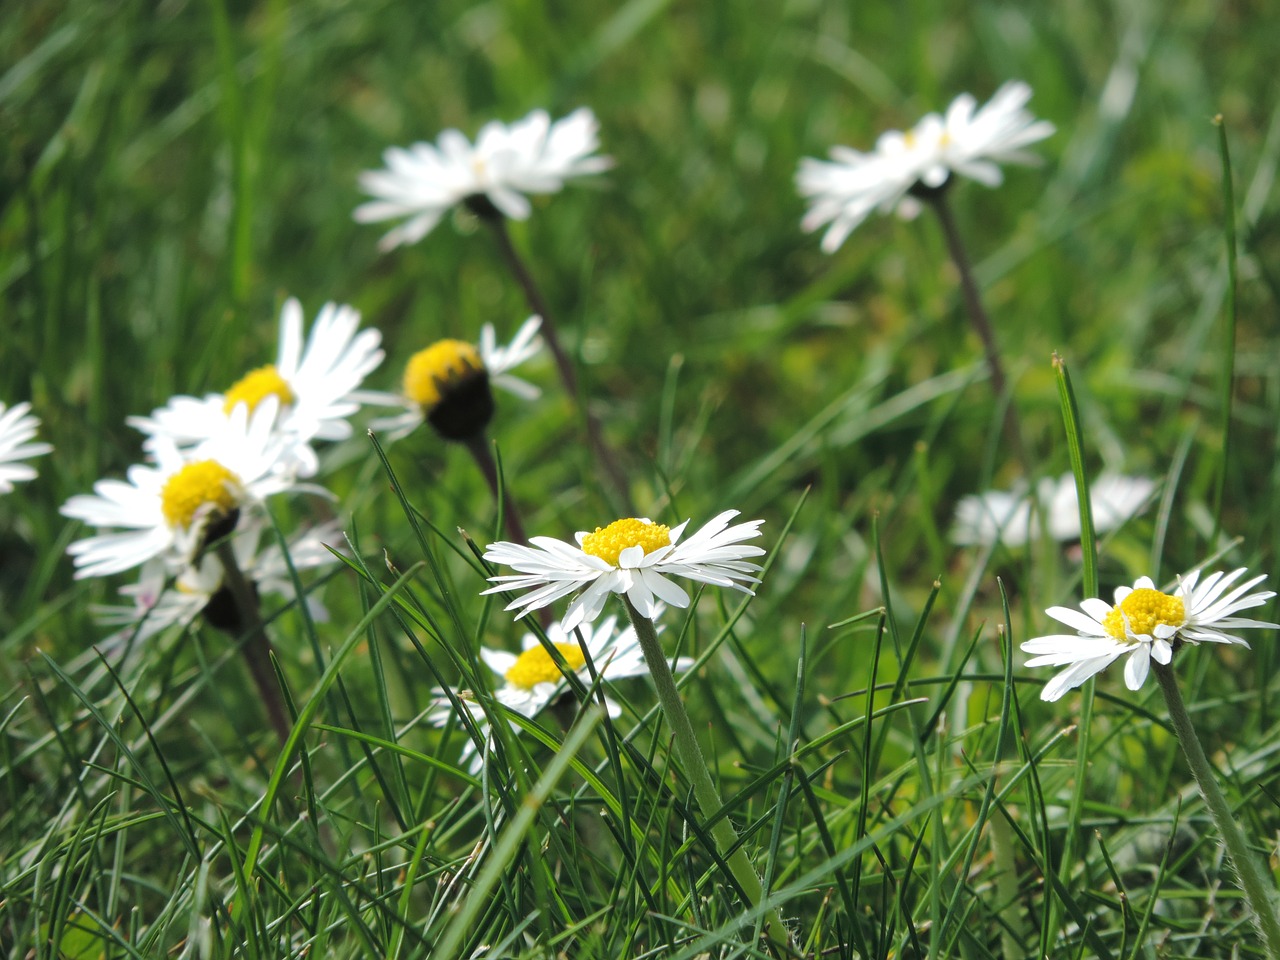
{"x":431,"y":372}
{"x":256,"y":386}
{"x":205,"y":483}
{"x":1146,"y":609}
{"x":608,"y":542}
{"x":535,"y":665}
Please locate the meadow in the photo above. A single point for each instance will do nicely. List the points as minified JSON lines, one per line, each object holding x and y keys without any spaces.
{"x":172,"y":173}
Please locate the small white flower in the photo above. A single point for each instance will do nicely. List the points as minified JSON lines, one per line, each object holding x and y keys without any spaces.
{"x":632,"y":557}
{"x":531,"y":680}
{"x":1015,"y":517}
{"x":152,"y":608}
{"x":532,"y":155}
{"x":448,"y":383}
{"x":164,"y":510}
{"x":17,"y":428}
{"x":1143,"y":624}
{"x":845,"y":190}
{"x":316,"y":386}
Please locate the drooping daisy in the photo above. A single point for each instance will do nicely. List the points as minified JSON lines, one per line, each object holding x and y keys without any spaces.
{"x":1145,"y":623}
{"x":17,"y":428}
{"x":168,"y":510}
{"x":532,"y":155}
{"x":153,"y":607}
{"x":632,"y":557}
{"x":1015,"y":517}
{"x":845,"y":190}
{"x":316,"y":386}
{"x":531,"y":679}
{"x":448,"y":384}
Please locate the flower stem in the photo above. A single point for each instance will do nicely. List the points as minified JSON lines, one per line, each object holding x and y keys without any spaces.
{"x":979,"y":319}
{"x":483,"y":456}
{"x":256,"y":647}
{"x":1253,"y":881}
{"x":568,"y":377}
{"x":695,"y":767}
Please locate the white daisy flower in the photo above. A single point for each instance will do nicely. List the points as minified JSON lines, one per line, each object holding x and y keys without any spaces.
{"x":632,"y":557}
{"x":152,"y":608}
{"x":17,"y":428}
{"x":846,"y":189}
{"x":164,"y":511}
{"x":1015,"y":517}
{"x":1145,"y":623}
{"x":532,"y":155}
{"x":531,"y":679}
{"x":447,"y":384}
{"x":316,"y":386}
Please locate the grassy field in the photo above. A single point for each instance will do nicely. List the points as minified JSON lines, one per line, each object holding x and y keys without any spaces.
{"x":172,"y":172}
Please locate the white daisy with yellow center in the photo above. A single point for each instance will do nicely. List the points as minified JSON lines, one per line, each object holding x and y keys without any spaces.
{"x":448,"y":381}
{"x":164,"y":511}
{"x":17,"y":429}
{"x":845,"y":190}
{"x":531,"y":679}
{"x":1144,"y":623}
{"x":532,"y":155}
{"x":316,"y":385}
{"x":633,"y":557}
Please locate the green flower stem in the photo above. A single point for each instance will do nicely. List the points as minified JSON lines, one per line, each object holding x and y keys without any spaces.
{"x":255,"y":647}
{"x":695,"y":767}
{"x":1257,"y":888}
{"x":478,"y":446}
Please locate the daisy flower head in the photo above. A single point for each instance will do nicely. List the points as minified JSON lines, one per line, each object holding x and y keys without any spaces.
{"x":1144,"y":624}
{"x":1016,"y":517}
{"x":968,"y":140}
{"x":531,"y":679}
{"x":493,"y":175}
{"x":316,"y":385}
{"x":632,"y":557}
{"x":170,"y":509}
{"x":448,"y":384}
{"x":17,"y":429}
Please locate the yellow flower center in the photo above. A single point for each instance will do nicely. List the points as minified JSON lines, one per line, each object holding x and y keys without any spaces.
{"x":205,"y":482}
{"x":431,"y":372}
{"x":608,"y":542}
{"x":256,"y":386}
{"x":535,"y":665}
{"x":1146,"y":610}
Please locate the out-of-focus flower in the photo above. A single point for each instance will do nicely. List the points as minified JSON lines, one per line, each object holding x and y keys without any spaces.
{"x":531,"y":679}
{"x":1144,"y":623}
{"x":970,"y":142}
{"x":316,"y":386}
{"x":17,"y":428}
{"x":154,"y":605}
{"x":1015,"y":517}
{"x":532,"y":155}
{"x":632,"y":557}
{"x":448,"y":384}
{"x":169,"y":510}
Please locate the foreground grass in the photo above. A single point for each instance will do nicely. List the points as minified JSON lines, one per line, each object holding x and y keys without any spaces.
{"x":173,"y":173}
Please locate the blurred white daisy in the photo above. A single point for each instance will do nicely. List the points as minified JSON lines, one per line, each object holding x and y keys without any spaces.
{"x":448,"y":384}
{"x":316,"y":386}
{"x":1015,"y":517}
{"x":1145,"y":623}
{"x":845,"y":190}
{"x":17,"y":428}
{"x":164,"y":511}
{"x":154,"y":604}
{"x":532,"y":155}
{"x":633,"y":557}
{"x":531,"y":679}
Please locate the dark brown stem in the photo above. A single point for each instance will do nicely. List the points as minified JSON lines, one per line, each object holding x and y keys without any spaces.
{"x":255,"y":646}
{"x":564,"y":364}
{"x":979,"y":319}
